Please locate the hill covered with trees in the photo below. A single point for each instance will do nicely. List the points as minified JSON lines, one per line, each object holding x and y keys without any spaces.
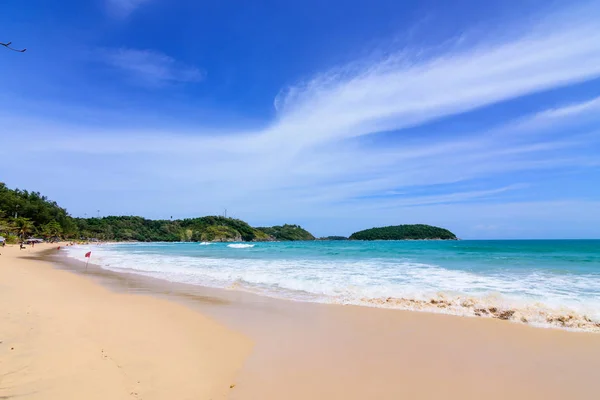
{"x":204,"y":229}
{"x":24,"y":214}
{"x":287,"y":232}
{"x":404,"y":232}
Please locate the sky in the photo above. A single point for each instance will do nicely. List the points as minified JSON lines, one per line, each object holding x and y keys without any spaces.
{"x":480,"y":117}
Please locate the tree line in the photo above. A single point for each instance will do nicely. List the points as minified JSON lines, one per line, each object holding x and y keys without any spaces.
{"x":24,"y":214}
{"x":288,"y":232}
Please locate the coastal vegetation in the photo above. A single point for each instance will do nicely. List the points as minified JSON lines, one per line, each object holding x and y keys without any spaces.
{"x":203,"y":229}
{"x":404,"y":232}
{"x":24,"y":214}
{"x":287,"y":233}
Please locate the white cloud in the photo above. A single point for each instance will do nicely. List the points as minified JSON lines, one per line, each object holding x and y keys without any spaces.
{"x":123,"y":8}
{"x":150,"y":67}
{"x":234,"y":168}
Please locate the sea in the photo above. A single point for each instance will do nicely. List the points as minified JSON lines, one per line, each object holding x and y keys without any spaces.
{"x":545,"y":283}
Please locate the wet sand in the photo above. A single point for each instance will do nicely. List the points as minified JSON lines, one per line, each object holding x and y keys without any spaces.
{"x":317,"y":351}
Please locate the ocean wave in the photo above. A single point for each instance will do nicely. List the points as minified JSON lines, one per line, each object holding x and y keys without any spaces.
{"x":537,"y":315}
{"x":240,"y":246}
{"x":205,"y":243}
{"x":533,"y":297}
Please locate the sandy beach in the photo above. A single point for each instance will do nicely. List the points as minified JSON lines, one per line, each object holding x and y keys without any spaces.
{"x":296,"y":200}
{"x":64,"y":337}
{"x":67,"y":333}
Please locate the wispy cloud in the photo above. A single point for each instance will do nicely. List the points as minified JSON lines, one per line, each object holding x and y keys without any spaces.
{"x":235,"y":166}
{"x":399,"y":92}
{"x":409,"y":200}
{"x":123,"y":8}
{"x":150,"y":67}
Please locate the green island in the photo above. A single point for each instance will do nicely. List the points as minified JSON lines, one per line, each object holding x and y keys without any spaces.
{"x":24,"y":214}
{"x":404,"y":232}
{"x":326,"y":238}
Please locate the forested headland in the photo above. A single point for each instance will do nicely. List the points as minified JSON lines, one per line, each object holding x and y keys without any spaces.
{"x":288,"y":232}
{"x":24,"y":214}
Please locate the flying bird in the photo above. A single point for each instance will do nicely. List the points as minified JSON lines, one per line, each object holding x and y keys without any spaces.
{"x":7,"y":45}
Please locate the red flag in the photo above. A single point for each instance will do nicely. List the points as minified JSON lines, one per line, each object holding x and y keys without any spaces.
{"x":88,"y":254}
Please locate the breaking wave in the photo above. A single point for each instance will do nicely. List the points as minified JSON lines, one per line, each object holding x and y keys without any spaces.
{"x":240,"y":246}
{"x":535,"y":314}
{"x":559,"y":298}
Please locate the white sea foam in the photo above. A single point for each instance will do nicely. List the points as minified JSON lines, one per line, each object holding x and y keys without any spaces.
{"x":240,"y":245}
{"x":534,"y":297}
{"x":205,"y":243}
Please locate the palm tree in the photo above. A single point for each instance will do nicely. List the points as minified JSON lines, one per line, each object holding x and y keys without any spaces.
{"x":52,"y":229}
{"x":6,"y":226}
{"x":23,"y":226}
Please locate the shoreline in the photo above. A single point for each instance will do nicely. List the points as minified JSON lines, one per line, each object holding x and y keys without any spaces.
{"x":519,"y":311}
{"x":323,"y":351}
{"x":295,"y":339}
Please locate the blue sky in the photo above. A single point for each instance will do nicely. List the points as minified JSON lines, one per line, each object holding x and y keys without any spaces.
{"x":482,"y":117}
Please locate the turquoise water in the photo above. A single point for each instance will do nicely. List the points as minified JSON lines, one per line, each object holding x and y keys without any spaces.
{"x":540,"y":282}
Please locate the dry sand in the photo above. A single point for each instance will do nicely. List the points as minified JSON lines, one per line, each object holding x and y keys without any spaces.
{"x":301,"y":350}
{"x":64,"y":337}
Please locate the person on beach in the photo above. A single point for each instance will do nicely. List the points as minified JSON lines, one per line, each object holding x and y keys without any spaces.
{"x":21,"y":246}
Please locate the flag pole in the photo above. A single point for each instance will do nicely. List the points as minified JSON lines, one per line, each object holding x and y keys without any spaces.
{"x":88,"y":255}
